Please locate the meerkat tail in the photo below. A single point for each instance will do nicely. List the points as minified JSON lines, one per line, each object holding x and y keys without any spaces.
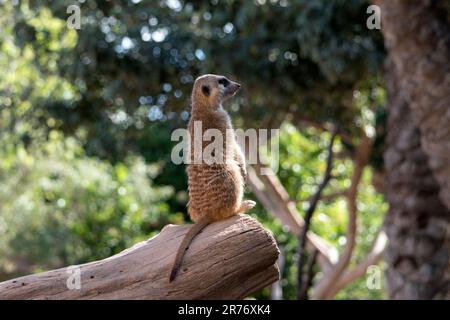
{"x":246,"y":205}
{"x":193,"y":231}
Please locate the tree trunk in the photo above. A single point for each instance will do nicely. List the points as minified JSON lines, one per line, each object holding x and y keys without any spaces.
{"x":417,"y":224}
{"x":229,"y":259}
{"x":417,"y":36}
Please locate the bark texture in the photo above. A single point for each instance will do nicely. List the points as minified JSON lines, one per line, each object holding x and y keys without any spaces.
{"x":417,"y":159}
{"x":229,"y":259}
{"x":417,"y":224}
{"x":417,"y":37}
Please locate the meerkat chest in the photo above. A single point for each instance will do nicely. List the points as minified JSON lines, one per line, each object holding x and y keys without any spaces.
{"x":217,"y":119}
{"x":211,"y":133}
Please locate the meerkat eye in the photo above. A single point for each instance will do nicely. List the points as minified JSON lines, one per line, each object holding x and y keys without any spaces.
{"x":224,"y":82}
{"x":205,"y":90}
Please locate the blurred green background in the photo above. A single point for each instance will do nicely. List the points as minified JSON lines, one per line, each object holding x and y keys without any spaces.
{"x":86,"y":117}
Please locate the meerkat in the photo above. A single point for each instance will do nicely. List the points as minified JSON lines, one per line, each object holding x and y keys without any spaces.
{"x":215,"y":190}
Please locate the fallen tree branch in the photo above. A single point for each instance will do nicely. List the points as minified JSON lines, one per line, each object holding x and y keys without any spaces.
{"x":230,"y":259}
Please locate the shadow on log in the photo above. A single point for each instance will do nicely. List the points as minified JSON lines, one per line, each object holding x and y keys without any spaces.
{"x":229,"y":259}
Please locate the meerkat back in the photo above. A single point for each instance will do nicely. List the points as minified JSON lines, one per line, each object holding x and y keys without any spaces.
{"x":215,"y":189}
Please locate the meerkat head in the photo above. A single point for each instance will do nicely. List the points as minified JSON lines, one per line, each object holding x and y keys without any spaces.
{"x":212,"y":90}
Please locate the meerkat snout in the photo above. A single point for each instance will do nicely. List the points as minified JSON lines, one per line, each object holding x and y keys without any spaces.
{"x":228,"y":87}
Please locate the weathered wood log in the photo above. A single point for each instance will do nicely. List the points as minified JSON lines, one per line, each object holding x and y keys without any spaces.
{"x":229,"y":259}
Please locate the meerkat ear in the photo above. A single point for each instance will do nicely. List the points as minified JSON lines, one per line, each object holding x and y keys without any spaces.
{"x":205,"y":90}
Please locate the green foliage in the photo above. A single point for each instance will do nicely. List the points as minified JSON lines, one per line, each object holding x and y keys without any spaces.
{"x":303,"y":155}
{"x":60,"y":207}
{"x":132,"y":59}
{"x":86,"y":117}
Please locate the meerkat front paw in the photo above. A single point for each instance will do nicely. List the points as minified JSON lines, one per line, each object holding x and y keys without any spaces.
{"x":246,"y":205}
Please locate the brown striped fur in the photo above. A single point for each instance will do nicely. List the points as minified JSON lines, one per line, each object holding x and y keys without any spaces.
{"x":215,"y":190}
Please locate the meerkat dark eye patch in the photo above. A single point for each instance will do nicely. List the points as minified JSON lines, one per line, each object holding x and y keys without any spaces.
{"x":224,"y":82}
{"x":205,"y":90}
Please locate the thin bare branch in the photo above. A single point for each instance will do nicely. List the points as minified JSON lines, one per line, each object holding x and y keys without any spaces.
{"x":323,"y":126}
{"x":309,"y":213}
{"x":323,"y":289}
{"x":309,"y":275}
{"x":378,"y":247}
{"x":270,"y":192}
